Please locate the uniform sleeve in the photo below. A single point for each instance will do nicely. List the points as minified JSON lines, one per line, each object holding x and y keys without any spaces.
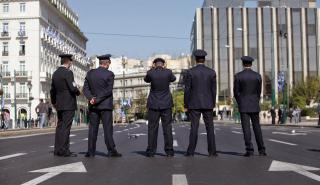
{"x":53,"y":94}
{"x":70,"y":82}
{"x":187,"y":89}
{"x":147,"y":78}
{"x":172,"y":77}
{"x":236,"y":88}
{"x":214,"y":88}
{"x":259,"y":86}
{"x":109,"y":91}
{"x":86,"y":89}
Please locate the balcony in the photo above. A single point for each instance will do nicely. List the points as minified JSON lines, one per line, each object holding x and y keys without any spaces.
{"x":22,"y":53}
{"x":21,"y":74}
{"x":22,"y":34}
{"x":45,"y":77}
{"x":5,"y":35}
{"x":6,"y":74}
{"x":5,"y":53}
{"x":6,"y":96}
{"x":22,"y":95}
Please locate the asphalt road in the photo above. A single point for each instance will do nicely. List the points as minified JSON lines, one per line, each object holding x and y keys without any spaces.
{"x":20,"y":156}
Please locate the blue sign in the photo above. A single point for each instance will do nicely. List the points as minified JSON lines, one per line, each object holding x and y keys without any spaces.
{"x":281,"y":81}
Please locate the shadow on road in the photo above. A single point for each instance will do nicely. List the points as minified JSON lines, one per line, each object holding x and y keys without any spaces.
{"x":230,"y":153}
{"x":314,"y":150}
{"x":102,"y":154}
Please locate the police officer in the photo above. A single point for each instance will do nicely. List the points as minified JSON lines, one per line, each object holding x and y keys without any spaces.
{"x":159,"y":105}
{"x":98,"y":88}
{"x":247,"y":91}
{"x":63,"y":97}
{"x":200,"y":98}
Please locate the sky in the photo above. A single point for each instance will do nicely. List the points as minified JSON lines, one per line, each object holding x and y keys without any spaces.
{"x":164,"y":18}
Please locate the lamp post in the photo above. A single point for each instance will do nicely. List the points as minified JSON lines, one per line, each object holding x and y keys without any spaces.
{"x":29,"y":85}
{"x":124,"y":62}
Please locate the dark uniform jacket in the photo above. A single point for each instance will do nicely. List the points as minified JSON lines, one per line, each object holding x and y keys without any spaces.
{"x":247,"y":91}
{"x":200,"y":88}
{"x":160,"y":96}
{"x":63,"y":90}
{"x":99,"y":84}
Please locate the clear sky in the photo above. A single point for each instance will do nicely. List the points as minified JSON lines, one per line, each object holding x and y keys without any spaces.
{"x":168,"y":18}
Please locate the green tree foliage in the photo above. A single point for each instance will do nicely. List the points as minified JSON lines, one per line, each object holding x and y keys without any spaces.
{"x":303,"y":93}
{"x":178,"y":101}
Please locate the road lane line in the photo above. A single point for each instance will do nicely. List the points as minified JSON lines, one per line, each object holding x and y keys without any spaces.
{"x":203,"y":133}
{"x":236,"y":132}
{"x":173,"y":133}
{"x":85,"y":139}
{"x":11,"y":156}
{"x":282,"y":142}
{"x":179,"y":179}
{"x":175,"y":143}
{"x":72,"y":135}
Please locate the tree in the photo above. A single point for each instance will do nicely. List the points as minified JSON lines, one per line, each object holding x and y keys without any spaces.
{"x":304,"y":93}
{"x":178,"y":101}
{"x":140,"y":105}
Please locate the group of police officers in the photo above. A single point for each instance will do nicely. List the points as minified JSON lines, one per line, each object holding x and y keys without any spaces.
{"x":199,"y":99}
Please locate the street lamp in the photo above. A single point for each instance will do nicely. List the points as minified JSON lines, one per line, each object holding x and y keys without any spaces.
{"x":124,"y":62}
{"x":29,"y":85}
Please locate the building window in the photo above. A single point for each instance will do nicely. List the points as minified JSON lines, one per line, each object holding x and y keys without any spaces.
{"x":22,"y":29}
{"x":5,"y":49}
{"x":5,"y":29}
{"x":22,"y":50}
{"x":5,"y":8}
{"x":22,"y":66}
{"x":22,"y":7}
{"x":265,"y":3}
{"x":251,"y":3}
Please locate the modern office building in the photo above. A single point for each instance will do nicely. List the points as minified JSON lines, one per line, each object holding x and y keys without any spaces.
{"x":282,"y":35}
{"x":32,"y":35}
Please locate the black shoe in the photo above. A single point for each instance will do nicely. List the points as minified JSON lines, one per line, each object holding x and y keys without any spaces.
{"x":248,"y":154}
{"x":213,"y":155}
{"x":262,"y":153}
{"x":188,"y":154}
{"x":149,"y":154}
{"x":170,"y":154}
{"x":88,"y":154}
{"x":69,"y":154}
{"x":114,"y":154}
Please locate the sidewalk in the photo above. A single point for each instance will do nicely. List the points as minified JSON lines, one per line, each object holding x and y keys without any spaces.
{"x":22,"y":132}
{"x":265,"y":123}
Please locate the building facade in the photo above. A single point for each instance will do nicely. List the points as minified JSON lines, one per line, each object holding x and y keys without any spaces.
{"x":33,"y":34}
{"x":282,"y":36}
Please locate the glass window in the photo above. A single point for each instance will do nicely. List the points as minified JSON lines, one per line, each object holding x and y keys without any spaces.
{"x":251,"y":3}
{"x":238,"y":32}
{"x":207,"y":35}
{"x":5,"y":8}
{"x":22,"y":26}
{"x":297,"y":48}
{"x":267,"y":45}
{"x":5,"y":47}
{"x":22,"y":7}
{"x":22,"y":50}
{"x":22,"y":66}
{"x":253,"y":36}
{"x":5,"y":27}
{"x":312,"y":42}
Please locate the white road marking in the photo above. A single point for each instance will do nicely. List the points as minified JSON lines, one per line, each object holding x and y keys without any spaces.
{"x":118,"y":131}
{"x":203,"y":133}
{"x":52,"y":146}
{"x":179,"y":179}
{"x":72,"y":135}
{"x":11,"y":156}
{"x":138,"y":135}
{"x":282,"y":142}
{"x":300,"y":169}
{"x":54,"y":171}
{"x":71,"y":143}
{"x":290,"y":134}
{"x":173,"y":133}
{"x":175,"y":143}
{"x":85,"y":139}
{"x":237,"y":128}
{"x":236,"y":132}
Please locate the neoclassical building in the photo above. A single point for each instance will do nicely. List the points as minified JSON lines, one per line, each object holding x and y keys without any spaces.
{"x":32,"y":35}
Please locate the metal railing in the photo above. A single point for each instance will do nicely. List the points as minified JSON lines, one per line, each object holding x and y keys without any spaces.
{"x":4,"y":34}
{"x":22,"y":95}
{"x":5,"y":53}
{"x":21,"y":73}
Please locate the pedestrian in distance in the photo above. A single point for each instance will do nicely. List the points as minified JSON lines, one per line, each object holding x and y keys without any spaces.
{"x":280,"y":115}
{"x":97,"y":88}
{"x":63,"y":93}
{"x":42,"y":111}
{"x":273,"y":116}
{"x":159,"y":105}
{"x":247,"y":91}
{"x":200,"y":98}
{"x":318,"y":110}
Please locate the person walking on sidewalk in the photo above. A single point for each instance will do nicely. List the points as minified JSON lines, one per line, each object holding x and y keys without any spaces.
{"x":273,"y":115}
{"x":247,"y":91}
{"x":42,"y":110}
{"x":318,"y":110}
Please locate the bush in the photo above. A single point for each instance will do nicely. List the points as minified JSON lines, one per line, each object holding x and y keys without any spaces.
{"x":265,"y":106}
{"x":312,"y":112}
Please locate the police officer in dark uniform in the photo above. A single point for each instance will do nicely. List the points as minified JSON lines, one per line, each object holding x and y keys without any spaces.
{"x":200,"y":98}
{"x":159,"y":105}
{"x":98,"y":88}
{"x":247,"y":91}
{"x":63,"y":97}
